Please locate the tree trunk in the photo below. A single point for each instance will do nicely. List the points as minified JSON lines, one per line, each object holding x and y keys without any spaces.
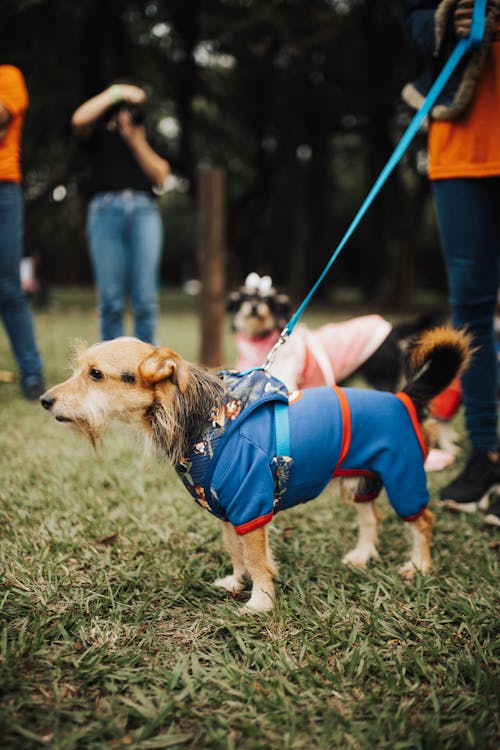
{"x":211,"y":262}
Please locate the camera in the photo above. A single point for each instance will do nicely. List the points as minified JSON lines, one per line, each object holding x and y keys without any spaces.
{"x":136,"y":113}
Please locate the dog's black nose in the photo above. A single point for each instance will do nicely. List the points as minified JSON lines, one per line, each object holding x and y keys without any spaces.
{"x":47,"y":401}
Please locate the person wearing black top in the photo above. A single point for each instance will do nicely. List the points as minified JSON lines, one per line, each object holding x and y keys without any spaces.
{"x":124,"y":228}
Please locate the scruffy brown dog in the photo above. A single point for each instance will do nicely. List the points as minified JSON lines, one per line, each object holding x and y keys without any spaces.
{"x":218,"y":429}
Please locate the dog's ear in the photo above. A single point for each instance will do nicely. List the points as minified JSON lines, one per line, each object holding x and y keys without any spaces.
{"x":233,"y":302}
{"x":283,"y":305}
{"x":165,"y":364}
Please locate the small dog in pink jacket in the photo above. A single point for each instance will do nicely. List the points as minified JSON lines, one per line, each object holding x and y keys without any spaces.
{"x":368,"y":346}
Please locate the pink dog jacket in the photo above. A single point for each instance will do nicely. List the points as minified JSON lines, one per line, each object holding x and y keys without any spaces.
{"x":327,"y":354}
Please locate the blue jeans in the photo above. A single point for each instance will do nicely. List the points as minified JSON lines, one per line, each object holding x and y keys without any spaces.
{"x":14,"y":309}
{"x":125,"y":236}
{"x":469,"y":223}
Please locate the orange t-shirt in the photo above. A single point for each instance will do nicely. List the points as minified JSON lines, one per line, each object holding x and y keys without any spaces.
{"x":14,"y":97}
{"x":470,"y":146}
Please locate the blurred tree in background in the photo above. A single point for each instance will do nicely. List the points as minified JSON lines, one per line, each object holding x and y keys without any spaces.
{"x":297,"y":99}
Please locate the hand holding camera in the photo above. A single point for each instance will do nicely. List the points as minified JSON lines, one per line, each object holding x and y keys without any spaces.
{"x":126,"y":111}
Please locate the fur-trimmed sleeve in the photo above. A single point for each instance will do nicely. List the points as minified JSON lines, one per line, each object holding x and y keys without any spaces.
{"x":443,"y":25}
{"x":473,"y":65}
{"x":429,"y":29}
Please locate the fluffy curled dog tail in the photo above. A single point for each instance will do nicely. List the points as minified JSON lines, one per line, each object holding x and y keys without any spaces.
{"x":433,"y":361}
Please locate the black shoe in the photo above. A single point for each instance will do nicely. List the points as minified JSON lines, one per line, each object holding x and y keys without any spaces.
{"x":33,"y":389}
{"x":492,"y":517}
{"x":470,"y":490}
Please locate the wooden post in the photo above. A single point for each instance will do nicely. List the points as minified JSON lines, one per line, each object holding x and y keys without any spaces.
{"x":212,"y":262}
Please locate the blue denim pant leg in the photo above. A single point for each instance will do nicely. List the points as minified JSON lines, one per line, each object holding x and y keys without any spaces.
{"x":469,"y":223}
{"x":14,"y":309}
{"x":125,"y":239}
{"x":145,"y":241}
{"x":106,"y":234}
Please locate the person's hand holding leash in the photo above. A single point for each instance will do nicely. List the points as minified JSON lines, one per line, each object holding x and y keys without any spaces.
{"x":462,"y":18}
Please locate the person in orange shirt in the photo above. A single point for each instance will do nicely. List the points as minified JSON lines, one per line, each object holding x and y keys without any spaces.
{"x":464,"y":168}
{"x":14,"y":309}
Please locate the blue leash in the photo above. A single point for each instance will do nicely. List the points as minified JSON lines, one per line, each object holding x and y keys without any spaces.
{"x":464,"y":45}
{"x":281,"y":427}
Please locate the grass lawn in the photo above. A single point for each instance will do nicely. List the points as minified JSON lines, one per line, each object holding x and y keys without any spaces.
{"x":113,"y":637}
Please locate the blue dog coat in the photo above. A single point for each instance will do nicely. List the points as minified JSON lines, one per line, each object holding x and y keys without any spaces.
{"x":233,"y":471}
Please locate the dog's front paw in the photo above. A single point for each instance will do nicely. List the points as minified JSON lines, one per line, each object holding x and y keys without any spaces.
{"x":260,"y":601}
{"x":230,"y":583}
{"x":357,"y":558}
{"x":408,"y":570}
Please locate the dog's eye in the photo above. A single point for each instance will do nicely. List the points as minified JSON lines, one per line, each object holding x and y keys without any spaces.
{"x":95,"y":374}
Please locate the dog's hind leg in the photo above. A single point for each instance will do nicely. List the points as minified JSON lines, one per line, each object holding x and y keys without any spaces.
{"x":420,"y":557}
{"x":369,"y":518}
{"x":261,"y":569}
{"x":233,"y":583}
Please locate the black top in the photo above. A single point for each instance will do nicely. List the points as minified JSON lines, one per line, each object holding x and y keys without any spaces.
{"x":113,"y":165}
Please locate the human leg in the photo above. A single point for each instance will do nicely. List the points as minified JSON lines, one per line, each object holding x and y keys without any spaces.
{"x":469,"y":222}
{"x":106,"y":237}
{"x":145,"y":240}
{"x":14,"y":309}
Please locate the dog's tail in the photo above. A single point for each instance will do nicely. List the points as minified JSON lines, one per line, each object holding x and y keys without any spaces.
{"x":432,"y":362}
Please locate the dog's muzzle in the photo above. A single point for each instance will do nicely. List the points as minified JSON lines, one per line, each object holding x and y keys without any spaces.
{"x":48,"y":402}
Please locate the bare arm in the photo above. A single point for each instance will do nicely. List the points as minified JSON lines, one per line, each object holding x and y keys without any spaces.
{"x":85,"y":117}
{"x":154,"y":166}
